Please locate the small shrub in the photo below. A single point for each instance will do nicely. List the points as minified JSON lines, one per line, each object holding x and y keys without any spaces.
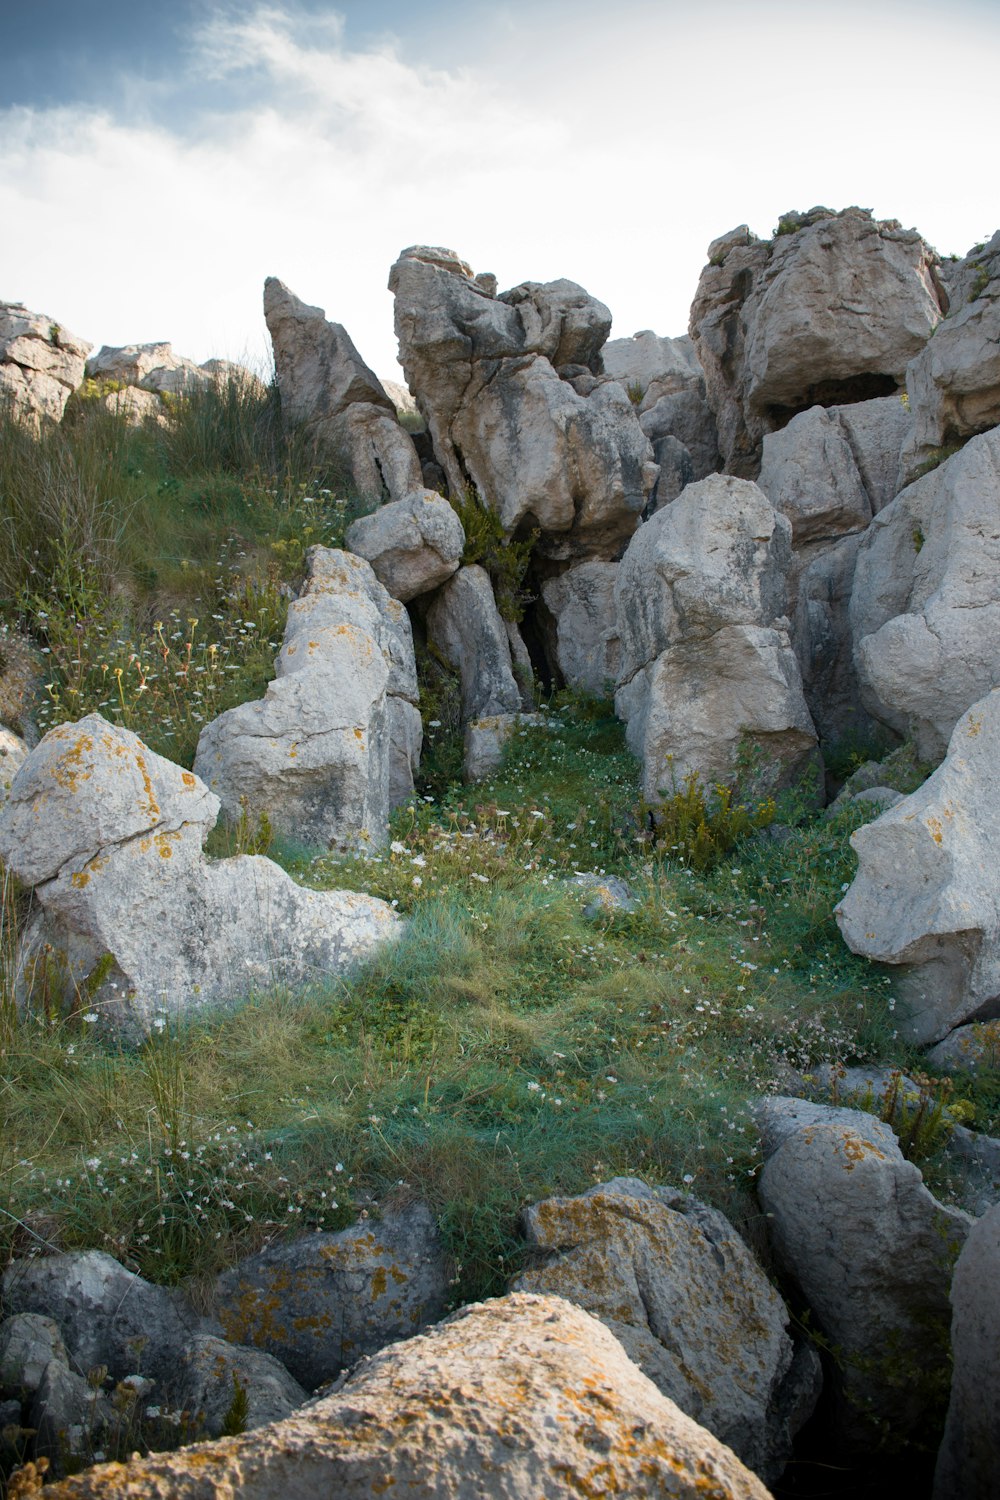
{"x":487,"y":544}
{"x":635,"y":391}
{"x":698,"y":825}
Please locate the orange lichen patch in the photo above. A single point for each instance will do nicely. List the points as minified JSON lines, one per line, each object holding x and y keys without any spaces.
{"x":69,"y":770}
{"x":379,"y":1283}
{"x":398,"y":1276}
{"x":359,"y":735}
{"x":856,"y":1148}
{"x":80,"y":879}
{"x":188,"y":779}
{"x":936,"y":831}
{"x":973,"y":727}
{"x":152,"y":806}
{"x":293,"y":752}
{"x":164,"y":843}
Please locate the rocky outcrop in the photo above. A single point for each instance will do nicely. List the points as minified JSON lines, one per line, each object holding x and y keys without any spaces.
{"x":334,"y":742}
{"x":515,"y":405}
{"x":582,"y":603}
{"x":927,"y":894}
{"x":925,"y":608}
{"x":871,"y":1252}
{"x":413,"y":545}
{"x":327,"y":389}
{"x":708,"y":673}
{"x":157,"y":369}
{"x":969,"y":1460}
{"x":464,"y":625}
{"x":324,"y":1301}
{"x":522,"y":1396}
{"x":130,"y":912}
{"x":678,"y":1288}
{"x":828,"y":312}
{"x":809,"y":474}
{"x":41,"y":363}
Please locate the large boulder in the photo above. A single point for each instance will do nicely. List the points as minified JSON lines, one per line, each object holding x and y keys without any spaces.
{"x":413,"y":545}
{"x":131,"y":913}
{"x":464,"y":625}
{"x":708,"y":674}
{"x":511,"y":392}
{"x":521,"y":1396}
{"x":689,"y":1304}
{"x":969,"y":1459}
{"x":809,"y":474}
{"x":156,"y":369}
{"x":927,"y":892}
{"x":327,"y":389}
{"x":41,"y":363}
{"x":332,"y":745}
{"x":872,"y":1253}
{"x":830,"y":311}
{"x":587,"y":648}
{"x":925,"y":607}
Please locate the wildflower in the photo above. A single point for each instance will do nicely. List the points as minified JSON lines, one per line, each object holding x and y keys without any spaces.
{"x":90,"y":1017}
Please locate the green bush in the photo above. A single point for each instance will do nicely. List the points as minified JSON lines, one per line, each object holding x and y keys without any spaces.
{"x":698,"y":825}
{"x":505,"y":560}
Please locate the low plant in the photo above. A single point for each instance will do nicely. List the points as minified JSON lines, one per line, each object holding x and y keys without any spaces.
{"x":697,"y":825}
{"x":504,"y":559}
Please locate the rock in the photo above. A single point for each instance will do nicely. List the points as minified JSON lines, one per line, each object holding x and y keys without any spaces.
{"x":565,"y":455}
{"x":29,"y":1342}
{"x":211,"y":1373}
{"x":69,"y":1416}
{"x":401,"y":399}
{"x":926,"y":895}
{"x":828,"y":312}
{"x":967,"y":1049}
{"x":871,"y":1251}
{"x":327,"y":389}
{"x":105,"y":1314}
{"x":925,"y":607}
{"x":110,"y":836}
{"x":486,"y":738}
{"x":690,"y":1306}
{"x":582,"y":602}
{"x":973,"y":1161}
{"x":134,"y":406}
{"x":664,"y":380}
{"x":464,"y":625}
{"x":968,"y":1462}
{"x":605,"y":895}
{"x":521,"y":1396}
{"x":413,"y":544}
{"x":877,"y":432}
{"x":708,"y":674}
{"x":321,"y":750}
{"x":41,"y":363}
{"x":155,"y":368}
{"x":324,"y":1301}
{"x":879,"y":798}
{"x":954,"y":383}
{"x":809,"y":474}
{"x":13,"y":754}
{"x":824,"y":645}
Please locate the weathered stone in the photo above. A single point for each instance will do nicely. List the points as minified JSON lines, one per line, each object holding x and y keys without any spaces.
{"x":969,"y":1459}
{"x":130,"y":911}
{"x":485,"y":740}
{"x":517,"y":1397}
{"x":413,"y":545}
{"x":322,"y":1302}
{"x":153,"y":367}
{"x":13,"y":754}
{"x":134,"y":406}
{"x":561,"y":321}
{"x":872,"y":1252}
{"x":809,"y":474}
{"x":69,"y":1417}
{"x":827,"y":313}
{"x":927,"y":892}
{"x":582,"y":602}
{"x":823,"y":642}
{"x":925,"y":607}
{"x":604,"y":895}
{"x":211,"y":1372}
{"x":877,"y":432}
{"x":464,"y":624}
{"x":29,"y":1342}
{"x":327,"y":388}
{"x":685,"y":1298}
{"x":968,"y":1049}
{"x":665,"y":382}
{"x":41,"y":363}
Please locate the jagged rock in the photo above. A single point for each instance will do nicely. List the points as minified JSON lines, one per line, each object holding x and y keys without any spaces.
{"x":334,"y":730}
{"x":29,"y":1342}
{"x":13,"y":754}
{"x":809,"y":474}
{"x":969,"y":1458}
{"x":871,"y":1251}
{"x":322,"y":1302}
{"x":521,"y":1396}
{"x":131,"y":913}
{"x":41,"y":363}
{"x":564,"y":454}
{"x":401,"y":398}
{"x":665,"y":381}
{"x":926,"y":895}
{"x":413,"y":545}
{"x":157,"y":369}
{"x":603,"y":895}
{"x":954,"y":383}
{"x":582,"y":602}
{"x":925,"y":607}
{"x":877,"y":431}
{"x":828,"y":312}
{"x":485,"y":740}
{"x":69,"y":1416}
{"x":708,"y":672}
{"x":210,"y":1372}
{"x":687,"y":1301}
{"x":327,"y":388}
{"x":464,"y":625}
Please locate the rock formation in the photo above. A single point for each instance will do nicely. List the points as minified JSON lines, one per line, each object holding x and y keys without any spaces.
{"x":41,"y":363}
{"x":587,"y":646}
{"x":464,"y":625}
{"x":157,"y":369}
{"x":413,"y":545}
{"x":969,"y":1461}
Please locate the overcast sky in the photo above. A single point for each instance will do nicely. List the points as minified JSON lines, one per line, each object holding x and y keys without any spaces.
{"x":159,"y":158}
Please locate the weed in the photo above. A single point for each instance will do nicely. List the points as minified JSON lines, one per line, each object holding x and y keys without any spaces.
{"x":935,"y":458}
{"x":635,"y":391}
{"x":238,"y":1411}
{"x":697,"y":825}
{"x":505,"y":560}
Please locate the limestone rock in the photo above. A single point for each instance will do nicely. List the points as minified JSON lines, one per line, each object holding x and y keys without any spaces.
{"x":324,"y":1301}
{"x":665,"y":381}
{"x":707,"y":665}
{"x":13,"y":754}
{"x":969,"y":1460}
{"x":413,"y":545}
{"x":604,"y":895}
{"x":29,"y":1342}
{"x":851,"y":1221}
{"x":521,"y":1396}
{"x":824,"y":644}
{"x":926,"y":895}
{"x":877,"y":431}
{"x":150,"y":367}
{"x":486,"y":738}
{"x":683,"y":1295}
{"x":967,"y":1049}
{"x":809,"y":474}
{"x":582,"y":601}
{"x":464,"y":624}
{"x":135,"y":406}
{"x":925,"y":607}
{"x":327,"y":388}
{"x":827,"y":313}
{"x":210,"y":1372}
{"x":69,"y":1417}
{"x":41,"y":363}
{"x":562,"y":321}
{"x":110,"y":836}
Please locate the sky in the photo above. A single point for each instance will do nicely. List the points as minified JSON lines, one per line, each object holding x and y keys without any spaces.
{"x":160,"y":158}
